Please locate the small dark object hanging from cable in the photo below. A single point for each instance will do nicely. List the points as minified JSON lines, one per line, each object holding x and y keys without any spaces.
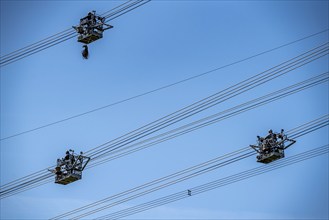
{"x":90,"y":29}
{"x":85,"y":52}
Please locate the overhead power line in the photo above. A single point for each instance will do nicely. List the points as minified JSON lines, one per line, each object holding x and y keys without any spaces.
{"x":120,"y":8}
{"x":318,"y":121}
{"x":32,"y":179}
{"x":172,"y":179}
{"x":220,"y":96}
{"x":182,"y":175}
{"x":308,"y":124}
{"x":164,"y":182}
{"x":133,"y":6}
{"x":115,"y":153}
{"x":187,"y":128}
{"x":219,"y":183}
{"x":37,"y":49}
{"x":310,"y":128}
{"x":65,"y":35}
{"x":160,"y":88}
{"x":37,"y":44}
{"x":233,"y":90}
{"x":208,"y":102}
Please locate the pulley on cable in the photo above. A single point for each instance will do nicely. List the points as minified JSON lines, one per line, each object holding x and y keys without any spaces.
{"x":90,"y":29}
{"x":271,"y":147}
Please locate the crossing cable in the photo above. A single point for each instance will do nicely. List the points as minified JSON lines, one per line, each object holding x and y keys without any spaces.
{"x":64,"y":35}
{"x":219,"y":183}
{"x":197,"y":170}
{"x":302,"y":86}
{"x":212,"y":100}
{"x":214,"y":118}
{"x":160,"y":88}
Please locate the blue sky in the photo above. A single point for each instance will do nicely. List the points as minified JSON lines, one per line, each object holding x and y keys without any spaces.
{"x":157,"y":44}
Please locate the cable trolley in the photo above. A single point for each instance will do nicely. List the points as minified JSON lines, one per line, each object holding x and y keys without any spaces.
{"x":271,"y":147}
{"x":69,"y":169}
{"x":90,"y":29}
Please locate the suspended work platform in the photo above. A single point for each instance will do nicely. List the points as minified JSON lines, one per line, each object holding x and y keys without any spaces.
{"x":271,"y":147}
{"x":69,"y":169}
{"x":91,"y":28}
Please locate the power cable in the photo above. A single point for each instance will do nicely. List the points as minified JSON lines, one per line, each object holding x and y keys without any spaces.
{"x":302,"y":85}
{"x":23,"y":189}
{"x":144,"y":2}
{"x":102,"y":161}
{"x":52,"y":39}
{"x":311,"y":130}
{"x":94,"y":165}
{"x":122,"y":8}
{"x":214,"y":118}
{"x":37,"y":44}
{"x":24,"y":185}
{"x":38,"y":49}
{"x":117,"y":7}
{"x":62,"y":36}
{"x":31,"y":176}
{"x":219,"y":183}
{"x":163,"y":179}
{"x":216,"y":166}
{"x":160,"y":88}
{"x":211,"y":101}
{"x":98,"y":163}
{"x":190,"y":172}
{"x":320,"y":47}
{"x":311,"y":123}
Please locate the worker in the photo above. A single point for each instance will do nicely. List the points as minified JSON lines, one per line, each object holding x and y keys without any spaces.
{"x":58,"y":172}
{"x":270,"y":134}
{"x":261,"y":144}
{"x":281,"y":135}
{"x":67,"y":156}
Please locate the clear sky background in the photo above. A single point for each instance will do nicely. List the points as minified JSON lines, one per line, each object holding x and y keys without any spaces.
{"x":157,"y":44}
